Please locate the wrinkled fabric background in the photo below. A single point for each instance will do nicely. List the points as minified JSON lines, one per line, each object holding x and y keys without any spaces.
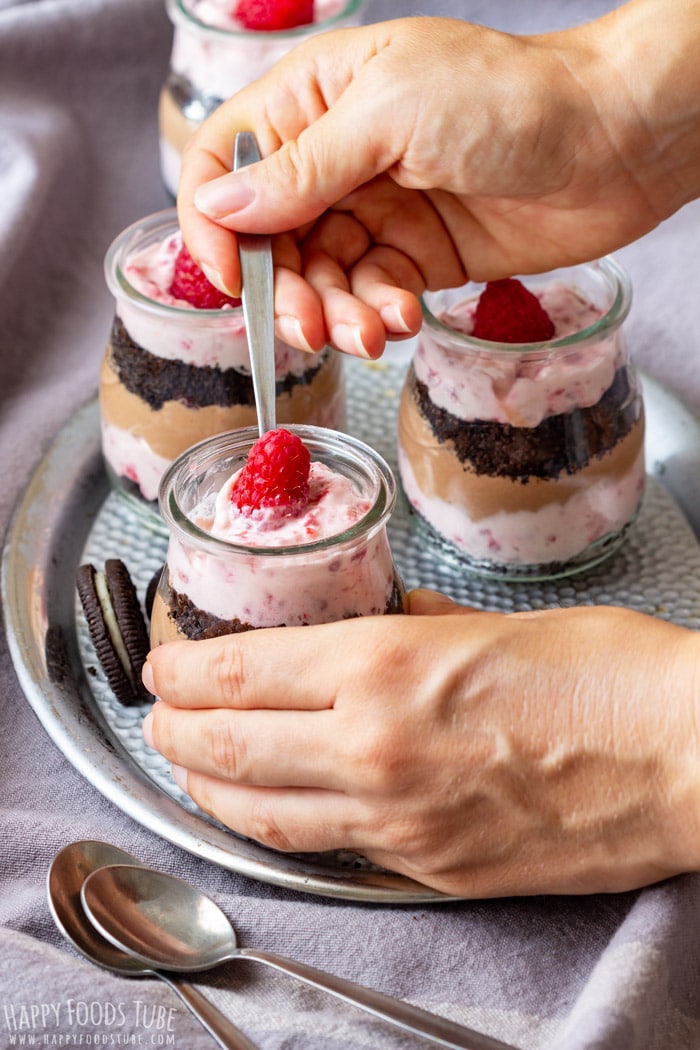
{"x":79,"y":81}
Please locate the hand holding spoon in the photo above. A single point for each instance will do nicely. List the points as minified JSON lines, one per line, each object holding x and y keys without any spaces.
{"x":257,"y":275}
{"x":69,"y":869}
{"x":166,"y":922}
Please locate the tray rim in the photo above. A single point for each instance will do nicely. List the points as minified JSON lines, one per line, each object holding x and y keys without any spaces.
{"x":41,"y":552}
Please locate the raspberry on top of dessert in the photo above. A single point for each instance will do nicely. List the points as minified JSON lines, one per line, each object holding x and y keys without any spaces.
{"x":280,"y":498}
{"x":267,"y":15}
{"x":508,"y":312}
{"x":191,"y":285}
{"x":166,"y":272}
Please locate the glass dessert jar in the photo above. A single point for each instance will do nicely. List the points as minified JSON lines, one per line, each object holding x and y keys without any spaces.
{"x":526,"y":460}
{"x":174,"y":374}
{"x":227,"y":573}
{"x":213,"y":56}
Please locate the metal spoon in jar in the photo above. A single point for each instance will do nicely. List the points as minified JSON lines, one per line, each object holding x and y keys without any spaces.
{"x":67,"y":873}
{"x":255,"y":252}
{"x":166,"y":922}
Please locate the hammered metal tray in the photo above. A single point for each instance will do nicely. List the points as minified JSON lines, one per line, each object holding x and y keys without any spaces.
{"x":67,"y":515}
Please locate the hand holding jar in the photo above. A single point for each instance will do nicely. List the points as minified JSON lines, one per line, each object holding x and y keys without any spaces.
{"x":482,"y":754}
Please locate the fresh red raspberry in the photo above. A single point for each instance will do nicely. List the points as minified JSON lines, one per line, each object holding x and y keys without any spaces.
{"x":275,"y":476}
{"x":190,"y":284}
{"x":507,"y":312}
{"x":268,"y":15}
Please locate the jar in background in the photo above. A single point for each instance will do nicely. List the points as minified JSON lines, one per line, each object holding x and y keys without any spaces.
{"x":213,"y":57}
{"x":526,"y":460}
{"x":329,"y":561}
{"x":174,"y":374}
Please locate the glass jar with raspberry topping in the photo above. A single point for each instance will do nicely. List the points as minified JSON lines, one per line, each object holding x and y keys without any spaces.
{"x":525,"y":459}
{"x":177,"y":370}
{"x":216,"y":52}
{"x":313,"y":555}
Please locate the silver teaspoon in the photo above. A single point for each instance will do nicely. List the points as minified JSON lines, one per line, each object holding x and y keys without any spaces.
{"x":255,"y":253}
{"x":164,"y":921}
{"x":67,"y":873}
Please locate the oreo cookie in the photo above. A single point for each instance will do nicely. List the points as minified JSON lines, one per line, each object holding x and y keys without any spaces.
{"x":117,"y":627}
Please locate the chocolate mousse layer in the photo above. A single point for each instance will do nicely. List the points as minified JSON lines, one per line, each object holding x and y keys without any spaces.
{"x":560,"y":445}
{"x":441,"y":474}
{"x":176,"y":616}
{"x":157,"y":379}
{"x":176,"y":424}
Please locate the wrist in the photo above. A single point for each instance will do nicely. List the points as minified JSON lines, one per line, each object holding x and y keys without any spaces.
{"x":679,"y":699}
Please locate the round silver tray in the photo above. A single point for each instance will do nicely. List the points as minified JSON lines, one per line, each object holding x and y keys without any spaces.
{"x":67,"y":515}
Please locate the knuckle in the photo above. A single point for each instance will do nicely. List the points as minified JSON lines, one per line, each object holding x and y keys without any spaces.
{"x":396,"y":840}
{"x":227,"y":749}
{"x":229,"y":674}
{"x":300,"y":168}
{"x":265,"y":827}
{"x":381,"y":761}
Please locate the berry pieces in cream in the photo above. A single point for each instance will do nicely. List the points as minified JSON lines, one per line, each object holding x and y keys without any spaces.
{"x":525,"y":458}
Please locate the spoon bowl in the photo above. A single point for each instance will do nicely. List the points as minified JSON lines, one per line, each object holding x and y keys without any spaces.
{"x":68,"y":872}
{"x":165,"y":921}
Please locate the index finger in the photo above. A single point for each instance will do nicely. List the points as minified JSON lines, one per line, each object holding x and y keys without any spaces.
{"x":214,"y":247}
{"x":278,"y":667}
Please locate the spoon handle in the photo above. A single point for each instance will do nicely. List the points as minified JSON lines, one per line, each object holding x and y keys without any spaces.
{"x":396,"y":1011}
{"x":255,"y":254}
{"x":217,"y":1024}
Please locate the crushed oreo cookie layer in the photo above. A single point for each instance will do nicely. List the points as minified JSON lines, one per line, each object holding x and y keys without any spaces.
{"x":196,"y":624}
{"x":561,"y":444}
{"x":157,"y":380}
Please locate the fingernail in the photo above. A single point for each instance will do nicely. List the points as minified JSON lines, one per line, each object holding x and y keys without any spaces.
{"x":179,"y":775}
{"x":225,"y":195}
{"x":393,"y":318}
{"x":422,"y":600}
{"x":290,"y":331}
{"x":147,"y":730}
{"x":147,"y":677}
{"x":215,"y":278}
{"x":350,"y":335}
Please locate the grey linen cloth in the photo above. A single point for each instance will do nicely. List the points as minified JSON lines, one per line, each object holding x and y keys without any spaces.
{"x":79,"y":81}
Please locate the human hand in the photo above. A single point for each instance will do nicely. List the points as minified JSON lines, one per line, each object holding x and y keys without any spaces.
{"x":479,"y":753}
{"x":411,"y":154}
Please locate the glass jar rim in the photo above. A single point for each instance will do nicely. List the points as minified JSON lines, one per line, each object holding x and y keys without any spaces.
{"x":613,"y":317}
{"x":120,"y":286}
{"x":180,"y":14}
{"x":325,"y":443}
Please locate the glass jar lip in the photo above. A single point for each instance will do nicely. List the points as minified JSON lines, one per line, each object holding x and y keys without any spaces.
{"x":612,"y":318}
{"x":324,"y":443}
{"x":180,"y":14}
{"x":120,"y":286}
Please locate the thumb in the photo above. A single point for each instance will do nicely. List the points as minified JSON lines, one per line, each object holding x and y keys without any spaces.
{"x":423,"y":602}
{"x":295,"y":184}
{"x":330,"y":155}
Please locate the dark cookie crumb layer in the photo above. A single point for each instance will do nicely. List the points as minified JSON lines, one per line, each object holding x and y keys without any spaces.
{"x":561,"y":444}
{"x":157,"y":380}
{"x":196,"y":624}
